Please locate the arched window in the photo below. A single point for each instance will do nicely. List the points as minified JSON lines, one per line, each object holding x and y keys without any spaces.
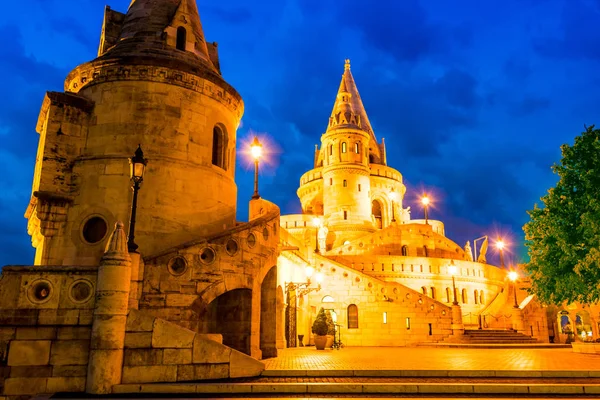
{"x":376,"y":211}
{"x":481,"y":297}
{"x":447,"y":295}
{"x":344,"y":147}
{"x":352,"y":316}
{"x":327,"y":299}
{"x":425,"y":252}
{"x":219,"y":149}
{"x":357,"y":147}
{"x":345,"y":183}
{"x":330,"y":149}
{"x":432,"y":291}
{"x":424,"y":290}
{"x":181,"y":38}
{"x":405,"y":250}
{"x":476,"y":297}
{"x":371,"y":158}
{"x":464,"y":296}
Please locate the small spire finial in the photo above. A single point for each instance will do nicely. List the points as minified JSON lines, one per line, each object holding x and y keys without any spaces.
{"x":347,"y":64}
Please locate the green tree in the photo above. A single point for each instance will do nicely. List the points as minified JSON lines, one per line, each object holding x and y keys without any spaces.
{"x":319,"y":326}
{"x":563,"y":237}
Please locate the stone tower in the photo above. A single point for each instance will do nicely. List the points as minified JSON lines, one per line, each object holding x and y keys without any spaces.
{"x":344,"y":185}
{"x":155,"y":82}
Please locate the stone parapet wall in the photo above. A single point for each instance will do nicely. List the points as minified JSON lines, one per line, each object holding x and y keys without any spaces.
{"x":45,"y":359}
{"x":159,"y":351}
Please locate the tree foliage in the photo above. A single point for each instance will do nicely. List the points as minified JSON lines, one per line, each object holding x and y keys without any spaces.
{"x":319,"y":326}
{"x":563,"y":237}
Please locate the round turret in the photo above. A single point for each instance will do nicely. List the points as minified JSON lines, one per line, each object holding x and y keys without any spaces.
{"x":156,"y":83}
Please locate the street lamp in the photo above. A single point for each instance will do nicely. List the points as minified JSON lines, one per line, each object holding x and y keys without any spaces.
{"x":137,"y":166}
{"x":500,"y":246}
{"x":393,"y":197}
{"x":303,"y":288}
{"x":452,"y":270}
{"x":317,"y":223}
{"x":256,"y":150}
{"x":425,"y":201}
{"x":512,"y":275}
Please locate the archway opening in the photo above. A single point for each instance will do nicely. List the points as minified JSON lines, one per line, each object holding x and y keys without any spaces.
{"x":376,"y":211}
{"x":230,"y":315}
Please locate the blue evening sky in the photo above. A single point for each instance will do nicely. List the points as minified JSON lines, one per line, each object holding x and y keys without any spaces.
{"x":473,"y":97}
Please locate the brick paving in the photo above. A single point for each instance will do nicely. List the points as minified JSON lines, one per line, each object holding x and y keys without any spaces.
{"x":425,"y":358}
{"x":417,"y":380}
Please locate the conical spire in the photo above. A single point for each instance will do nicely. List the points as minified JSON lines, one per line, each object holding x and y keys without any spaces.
{"x":348,"y":110}
{"x":150,"y":18}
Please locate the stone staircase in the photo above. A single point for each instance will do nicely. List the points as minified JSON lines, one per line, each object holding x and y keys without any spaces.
{"x":495,"y":336}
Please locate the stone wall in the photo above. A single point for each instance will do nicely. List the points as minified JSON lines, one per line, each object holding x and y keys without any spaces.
{"x":410,"y":317}
{"x":181,"y":283}
{"x":45,"y":317}
{"x":160,"y":351}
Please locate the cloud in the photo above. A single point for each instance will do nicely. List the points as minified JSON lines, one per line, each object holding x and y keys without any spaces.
{"x":578,"y":37}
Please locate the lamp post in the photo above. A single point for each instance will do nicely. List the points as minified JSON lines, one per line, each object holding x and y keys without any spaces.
{"x":500,"y":246}
{"x":393,"y":197}
{"x":425,"y":201}
{"x":292,"y":290}
{"x":512,"y":275}
{"x":137,"y":166}
{"x":317,"y":223}
{"x":458,"y":327}
{"x":256,"y":150}
{"x":452,"y":270}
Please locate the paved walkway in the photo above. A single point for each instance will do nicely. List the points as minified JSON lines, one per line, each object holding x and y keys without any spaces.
{"x":424,"y":358}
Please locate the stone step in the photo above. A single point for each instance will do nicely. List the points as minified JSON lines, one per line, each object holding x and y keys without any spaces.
{"x":348,"y":386}
{"x":465,"y":345}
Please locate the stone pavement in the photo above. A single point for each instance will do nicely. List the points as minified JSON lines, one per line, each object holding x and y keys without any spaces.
{"x":424,"y":358}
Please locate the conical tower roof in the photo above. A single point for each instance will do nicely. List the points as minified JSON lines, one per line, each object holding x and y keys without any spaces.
{"x":348,"y":109}
{"x":143,"y":29}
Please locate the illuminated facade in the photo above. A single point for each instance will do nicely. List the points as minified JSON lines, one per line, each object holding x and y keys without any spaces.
{"x":205,"y":297}
{"x":386,"y":276}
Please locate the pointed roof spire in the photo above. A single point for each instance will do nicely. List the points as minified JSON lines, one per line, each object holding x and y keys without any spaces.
{"x":151,"y":18}
{"x":348,"y":109}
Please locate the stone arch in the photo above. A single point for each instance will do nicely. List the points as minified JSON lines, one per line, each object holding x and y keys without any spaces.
{"x":230,"y":314}
{"x":377,"y":212}
{"x":464,"y":296}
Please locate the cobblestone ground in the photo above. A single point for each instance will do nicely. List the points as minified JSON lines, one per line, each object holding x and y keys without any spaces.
{"x":424,"y":358}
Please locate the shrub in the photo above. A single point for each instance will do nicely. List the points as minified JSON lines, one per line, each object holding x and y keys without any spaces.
{"x":320,"y":326}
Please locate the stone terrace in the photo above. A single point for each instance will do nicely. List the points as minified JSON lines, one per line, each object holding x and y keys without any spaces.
{"x":432,"y":359}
